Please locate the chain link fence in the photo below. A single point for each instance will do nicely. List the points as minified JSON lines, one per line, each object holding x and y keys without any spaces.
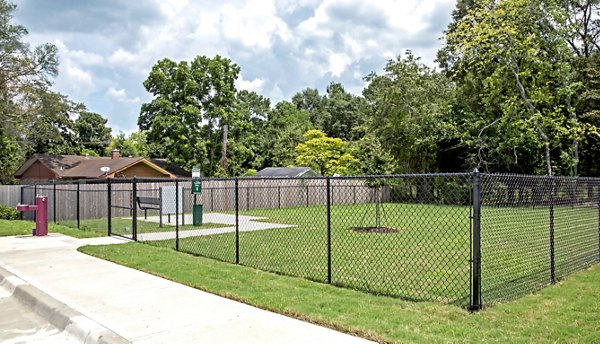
{"x":536,"y":230}
{"x":471,"y":240}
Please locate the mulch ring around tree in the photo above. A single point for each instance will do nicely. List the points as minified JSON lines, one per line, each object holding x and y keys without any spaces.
{"x":375,"y":230}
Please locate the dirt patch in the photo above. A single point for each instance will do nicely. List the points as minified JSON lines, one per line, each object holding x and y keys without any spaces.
{"x":375,"y":230}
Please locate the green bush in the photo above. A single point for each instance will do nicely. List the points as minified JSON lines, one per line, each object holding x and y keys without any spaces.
{"x":8,"y":213}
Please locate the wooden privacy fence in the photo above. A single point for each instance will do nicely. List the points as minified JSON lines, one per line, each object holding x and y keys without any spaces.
{"x":219,"y":195}
{"x":90,"y":201}
{"x":10,"y":195}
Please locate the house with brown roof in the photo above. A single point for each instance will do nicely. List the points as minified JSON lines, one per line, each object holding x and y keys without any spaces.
{"x":44,"y":167}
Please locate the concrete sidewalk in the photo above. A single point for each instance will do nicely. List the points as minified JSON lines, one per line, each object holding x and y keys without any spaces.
{"x":117,"y":303}
{"x":246,"y":224}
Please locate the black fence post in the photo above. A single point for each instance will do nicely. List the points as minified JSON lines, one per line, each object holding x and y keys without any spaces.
{"x":328,"y":230}
{"x":307,"y":196}
{"x":476,"y":244}
{"x":237,"y":223}
{"x":54,"y":202}
{"x":598,"y":195}
{"x":552,"y":264}
{"x":278,"y":197}
{"x":160,"y":210}
{"x":77,"y":205}
{"x":109,"y":197}
{"x":134,"y":210}
{"x":176,"y":214}
{"x":247,"y":198}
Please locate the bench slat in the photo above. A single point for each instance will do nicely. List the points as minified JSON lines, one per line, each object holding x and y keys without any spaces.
{"x":148,"y":202}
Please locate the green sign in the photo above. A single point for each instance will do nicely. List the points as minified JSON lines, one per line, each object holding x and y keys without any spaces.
{"x":196,"y":186}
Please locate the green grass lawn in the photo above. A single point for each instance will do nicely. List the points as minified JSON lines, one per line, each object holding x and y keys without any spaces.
{"x":123,"y":226}
{"x":9,"y":228}
{"x":428,"y":258}
{"x":568,"y":312}
{"x":94,"y":228}
{"x":387,"y":263}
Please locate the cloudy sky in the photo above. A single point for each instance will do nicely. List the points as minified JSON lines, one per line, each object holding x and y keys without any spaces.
{"x":107,"y":47}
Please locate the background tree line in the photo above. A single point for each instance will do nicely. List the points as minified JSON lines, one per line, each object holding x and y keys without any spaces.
{"x":517,"y":90}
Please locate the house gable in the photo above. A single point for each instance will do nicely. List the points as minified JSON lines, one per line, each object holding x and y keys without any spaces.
{"x":141,"y":168}
{"x":286,"y":172}
{"x":48,"y":167}
{"x":37,"y":171}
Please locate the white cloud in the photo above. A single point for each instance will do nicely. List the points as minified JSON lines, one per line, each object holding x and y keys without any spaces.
{"x":122,"y":57}
{"x":75,"y":81}
{"x":255,"y":85}
{"x":86,"y":58}
{"x":338,"y":64}
{"x":79,"y":57}
{"x":172,"y":8}
{"x":288,"y":6}
{"x":315,"y":25}
{"x":120,"y":95}
{"x":254,"y":25}
{"x":282,"y":46}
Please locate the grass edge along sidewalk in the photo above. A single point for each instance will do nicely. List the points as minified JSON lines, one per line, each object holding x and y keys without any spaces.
{"x":566,"y":312}
{"x":90,"y":228}
{"x":17,"y":227}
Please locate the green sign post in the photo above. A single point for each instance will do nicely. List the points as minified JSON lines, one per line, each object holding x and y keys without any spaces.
{"x":196,"y":190}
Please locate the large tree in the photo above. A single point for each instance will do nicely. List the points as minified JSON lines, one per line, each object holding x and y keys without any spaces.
{"x":22,"y":69}
{"x":280,"y":134}
{"x":512,"y":58}
{"x":312,"y":102}
{"x":192,"y":108}
{"x":583,"y":20}
{"x":247,"y":131}
{"x":584,"y":39}
{"x":92,"y":132}
{"x":49,"y":125}
{"x":409,"y":104}
{"x":25,"y":74}
{"x":346,"y":113}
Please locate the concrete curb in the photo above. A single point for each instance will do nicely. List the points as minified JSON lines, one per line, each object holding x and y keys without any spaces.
{"x":57,"y":313}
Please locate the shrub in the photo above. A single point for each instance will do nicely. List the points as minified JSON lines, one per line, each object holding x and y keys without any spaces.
{"x":8,"y":213}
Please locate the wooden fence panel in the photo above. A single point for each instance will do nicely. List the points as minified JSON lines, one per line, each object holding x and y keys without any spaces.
{"x":10,"y":195}
{"x":217,"y":195}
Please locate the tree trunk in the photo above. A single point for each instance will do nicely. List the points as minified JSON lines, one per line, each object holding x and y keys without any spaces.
{"x":224,"y":149}
{"x":211,"y":153}
{"x":532,"y":111}
{"x":575,"y":145}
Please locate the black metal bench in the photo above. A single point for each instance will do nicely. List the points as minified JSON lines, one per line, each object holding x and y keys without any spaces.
{"x":145,"y":203}
{"x":155,"y":203}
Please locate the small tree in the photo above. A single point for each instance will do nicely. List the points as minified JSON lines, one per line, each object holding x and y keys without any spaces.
{"x":324,"y":154}
{"x":125,"y":145}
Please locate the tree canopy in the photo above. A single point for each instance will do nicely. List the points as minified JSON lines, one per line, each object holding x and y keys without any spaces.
{"x":32,"y":117}
{"x":517,"y":91}
{"x":325,"y":154}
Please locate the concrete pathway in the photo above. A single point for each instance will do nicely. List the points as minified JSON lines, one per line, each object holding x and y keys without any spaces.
{"x":112,"y":304}
{"x":246,"y":223}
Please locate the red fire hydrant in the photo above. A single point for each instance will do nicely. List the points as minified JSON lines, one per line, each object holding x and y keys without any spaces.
{"x":41,"y":214}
